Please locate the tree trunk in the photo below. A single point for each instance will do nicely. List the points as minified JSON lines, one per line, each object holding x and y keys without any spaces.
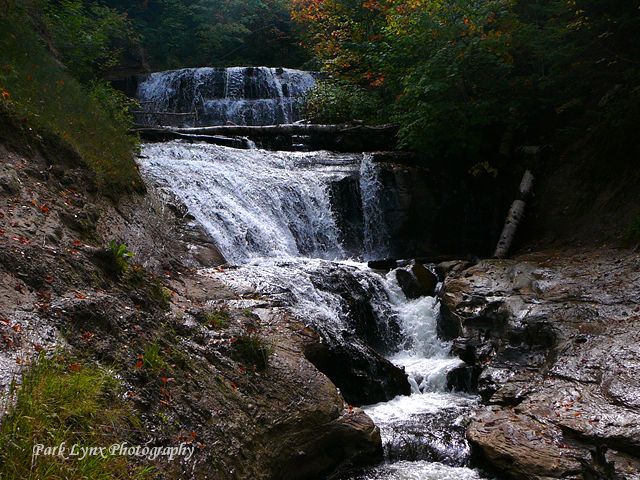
{"x":516,"y":212}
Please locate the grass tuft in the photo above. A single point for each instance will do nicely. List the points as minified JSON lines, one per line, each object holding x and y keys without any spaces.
{"x":253,"y":350}
{"x":217,"y":319}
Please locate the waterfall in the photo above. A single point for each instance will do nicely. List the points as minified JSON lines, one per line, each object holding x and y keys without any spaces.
{"x":282,"y":218}
{"x":375,"y":236}
{"x":271,"y":214}
{"x":255,"y":203}
{"x":218,"y":96}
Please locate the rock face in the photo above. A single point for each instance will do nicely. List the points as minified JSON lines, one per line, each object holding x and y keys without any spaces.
{"x":552,"y":344}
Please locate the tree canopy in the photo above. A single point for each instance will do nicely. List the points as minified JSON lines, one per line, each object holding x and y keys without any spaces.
{"x":462,"y":76}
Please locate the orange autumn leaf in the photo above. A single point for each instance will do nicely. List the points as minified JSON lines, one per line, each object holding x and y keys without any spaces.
{"x":75,"y":367}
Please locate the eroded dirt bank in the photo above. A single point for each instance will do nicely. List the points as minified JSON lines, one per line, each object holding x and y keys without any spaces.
{"x":552,"y":344}
{"x":175,"y":339}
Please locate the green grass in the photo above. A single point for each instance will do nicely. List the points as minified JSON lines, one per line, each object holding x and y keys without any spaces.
{"x":253,"y":351}
{"x":63,"y":401}
{"x":36,"y":90}
{"x":153,"y":358}
{"x":217,"y":319}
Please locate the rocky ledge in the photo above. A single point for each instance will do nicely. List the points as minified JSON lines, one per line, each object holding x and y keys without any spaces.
{"x":551,"y":342}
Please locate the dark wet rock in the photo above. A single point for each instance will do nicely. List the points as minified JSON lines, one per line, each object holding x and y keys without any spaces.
{"x":417,"y":281}
{"x":363,"y":376}
{"x":347,"y":210}
{"x":384,"y":265}
{"x":463,"y":378}
{"x":556,"y":337}
{"x":427,"y":279}
{"x":443,"y":269}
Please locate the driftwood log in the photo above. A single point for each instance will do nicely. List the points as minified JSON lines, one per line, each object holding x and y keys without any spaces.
{"x":515,"y":215}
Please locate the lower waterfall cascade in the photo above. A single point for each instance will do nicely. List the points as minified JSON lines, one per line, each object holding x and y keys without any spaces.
{"x":272,"y":216}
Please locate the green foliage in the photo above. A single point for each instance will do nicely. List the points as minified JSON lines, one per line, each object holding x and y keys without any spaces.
{"x":339,"y":102}
{"x":59,"y":401}
{"x":217,"y":319}
{"x":85,"y":119}
{"x":179,"y":33}
{"x":88,"y":36}
{"x":120,"y":256}
{"x":461,"y":76}
{"x":253,"y":350}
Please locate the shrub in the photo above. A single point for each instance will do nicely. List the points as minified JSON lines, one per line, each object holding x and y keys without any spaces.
{"x":334,"y":101}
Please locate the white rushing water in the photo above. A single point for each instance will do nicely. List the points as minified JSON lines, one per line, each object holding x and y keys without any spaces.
{"x":219,"y":96}
{"x":374,"y":234}
{"x":271,"y":214}
{"x":255,"y":204}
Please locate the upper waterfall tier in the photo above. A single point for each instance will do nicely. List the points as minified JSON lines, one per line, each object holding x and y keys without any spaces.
{"x":219,"y":96}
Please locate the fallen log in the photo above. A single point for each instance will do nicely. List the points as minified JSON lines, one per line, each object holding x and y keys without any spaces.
{"x":268,"y":130}
{"x":515,"y":215}
{"x":341,"y":138}
{"x":163,"y":135}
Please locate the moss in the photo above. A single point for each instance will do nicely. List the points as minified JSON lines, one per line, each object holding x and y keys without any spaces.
{"x":60,"y":400}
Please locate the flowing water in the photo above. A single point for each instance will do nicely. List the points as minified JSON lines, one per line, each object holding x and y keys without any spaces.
{"x":273,"y":216}
{"x":217,"y":96}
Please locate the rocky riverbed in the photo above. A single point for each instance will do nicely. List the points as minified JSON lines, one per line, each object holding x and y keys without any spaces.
{"x":551,"y":342}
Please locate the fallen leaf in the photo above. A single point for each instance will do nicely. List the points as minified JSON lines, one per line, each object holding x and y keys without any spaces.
{"x":17,"y":328}
{"x":86,"y":336}
{"x":75,"y":367}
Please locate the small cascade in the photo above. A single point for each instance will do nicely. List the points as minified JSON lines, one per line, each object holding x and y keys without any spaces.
{"x":218,"y":96}
{"x":427,"y":425}
{"x":375,"y":233}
